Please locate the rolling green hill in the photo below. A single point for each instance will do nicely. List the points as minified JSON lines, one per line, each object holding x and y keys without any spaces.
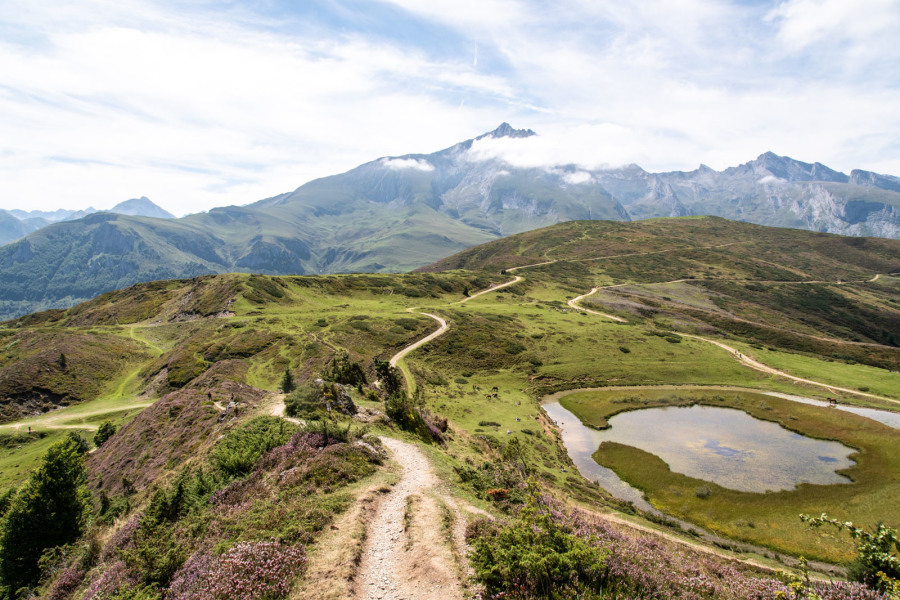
{"x":203,"y":465}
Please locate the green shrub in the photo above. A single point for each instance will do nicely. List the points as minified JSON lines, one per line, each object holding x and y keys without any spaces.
{"x":513,"y":347}
{"x":104,"y":432}
{"x":236,"y":454}
{"x":877,"y":563}
{"x":389,"y":376}
{"x":304,"y":402}
{"x":407,"y":324}
{"x":531,"y":556}
{"x":343,"y":370}
{"x":624,"y":349}
{"x":703,"y":491}
{"x":48,"y":511}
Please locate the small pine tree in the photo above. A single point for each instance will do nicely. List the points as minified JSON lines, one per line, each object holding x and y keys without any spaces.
{"x":287,"y":382}
{"x":389,"y":376}
{"x":61,"y":361}
{"x":48,"y":511}
{"x":104,"y":432}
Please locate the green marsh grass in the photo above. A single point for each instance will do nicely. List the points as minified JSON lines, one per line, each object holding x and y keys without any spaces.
{"x":871,"y":496}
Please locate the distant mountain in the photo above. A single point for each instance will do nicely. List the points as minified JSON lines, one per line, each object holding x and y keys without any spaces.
{"x":400,"y":213}
{"x":13,"y":228}
{"x":141,"y":207}
{"x":23,"y":223}
{"x":771,"y":190}
{"x":53,"y":216}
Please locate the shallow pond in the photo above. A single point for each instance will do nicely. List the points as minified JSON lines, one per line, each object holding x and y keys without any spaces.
{"x":725,"y":446}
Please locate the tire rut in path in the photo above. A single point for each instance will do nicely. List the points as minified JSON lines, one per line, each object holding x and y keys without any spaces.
{"x":407,"y":557}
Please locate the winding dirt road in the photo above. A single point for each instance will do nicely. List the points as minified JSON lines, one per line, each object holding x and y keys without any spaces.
{"x":574,"y":304}
{"x":494,"y":287}
{"x":440,"y":331}
{"x":754,"y":364}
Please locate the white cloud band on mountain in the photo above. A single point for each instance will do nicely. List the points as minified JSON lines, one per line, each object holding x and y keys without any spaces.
{"x":399,"y":164}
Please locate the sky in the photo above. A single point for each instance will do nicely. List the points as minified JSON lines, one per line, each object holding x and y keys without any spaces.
{"x":197,"y":104}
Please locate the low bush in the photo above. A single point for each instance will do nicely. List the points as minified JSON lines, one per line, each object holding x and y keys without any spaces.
{"x":534,"y":556}
{"x":304,"y":402}
{"x":247,"y":571}
{"x":236,"y":454}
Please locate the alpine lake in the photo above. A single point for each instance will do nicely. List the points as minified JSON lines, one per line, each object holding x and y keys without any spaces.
{"x":740,"y":463}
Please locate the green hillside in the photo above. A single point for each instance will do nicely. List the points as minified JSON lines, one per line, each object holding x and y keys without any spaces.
{"x":204,"y":465}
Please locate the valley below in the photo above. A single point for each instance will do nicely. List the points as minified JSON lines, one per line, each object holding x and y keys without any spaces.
{"x":392,"y":435}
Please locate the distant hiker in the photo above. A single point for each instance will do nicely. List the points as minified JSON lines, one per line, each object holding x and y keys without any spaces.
{"x":517,"y":419}
{"x":508,"y":432}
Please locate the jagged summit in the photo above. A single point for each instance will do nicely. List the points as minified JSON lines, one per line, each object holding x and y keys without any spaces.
{"x":788,"y":169}
{"x":507,"y":130}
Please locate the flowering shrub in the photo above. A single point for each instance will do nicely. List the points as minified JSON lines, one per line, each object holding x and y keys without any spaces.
{"x":113,"y":579}
{"x":248,"y":571}
{"x":123,"y":539}
{"x":67,"y":582}
{"x":634,"y":567}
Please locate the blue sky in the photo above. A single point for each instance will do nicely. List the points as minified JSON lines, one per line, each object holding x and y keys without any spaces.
{"x":201,"y":104}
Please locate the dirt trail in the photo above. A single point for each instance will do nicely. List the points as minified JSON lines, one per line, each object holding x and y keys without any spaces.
{"x":440,"y":331}
{"x":494,"y":288}
{"x":753,"y":364}
{"x":407,"y":555}
{"x":52,"y":419}
{"x":278,"y":409}
{"x":574,"y":304}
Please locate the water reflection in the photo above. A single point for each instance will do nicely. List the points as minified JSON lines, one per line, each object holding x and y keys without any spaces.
{"x":726,"y":446}
{"x":729,"y":447}
{"x":581,"y":442}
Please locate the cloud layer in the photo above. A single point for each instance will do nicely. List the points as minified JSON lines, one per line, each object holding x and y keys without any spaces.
{"x":217,"y":104}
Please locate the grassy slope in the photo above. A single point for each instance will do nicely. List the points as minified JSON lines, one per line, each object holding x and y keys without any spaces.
{"x":207,"y":332}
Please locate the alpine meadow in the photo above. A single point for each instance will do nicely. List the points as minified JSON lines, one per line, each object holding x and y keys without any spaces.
{"x":286,"y":315}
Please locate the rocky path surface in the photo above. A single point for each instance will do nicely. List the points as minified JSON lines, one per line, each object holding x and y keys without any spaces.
{"x":407,"y":555}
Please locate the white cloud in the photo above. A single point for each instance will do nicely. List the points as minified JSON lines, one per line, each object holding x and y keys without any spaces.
{"x":400,"y":164}
{"x":577,"y":177}
{"x":802,"y":23}
{"x":194,"y":107}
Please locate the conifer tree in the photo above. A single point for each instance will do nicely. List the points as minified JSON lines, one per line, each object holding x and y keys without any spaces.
{"x":48,"y":511}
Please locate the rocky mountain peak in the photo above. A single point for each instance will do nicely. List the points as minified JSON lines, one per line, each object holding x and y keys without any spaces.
{"x":788,"y":169}
{"x":507,"y":130}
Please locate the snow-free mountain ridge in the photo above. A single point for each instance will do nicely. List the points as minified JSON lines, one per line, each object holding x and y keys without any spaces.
{"x":403,"y":212}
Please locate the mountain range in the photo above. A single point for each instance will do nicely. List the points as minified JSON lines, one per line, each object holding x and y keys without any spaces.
{"x":400,"y":213}
{"x":17,"y":223}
